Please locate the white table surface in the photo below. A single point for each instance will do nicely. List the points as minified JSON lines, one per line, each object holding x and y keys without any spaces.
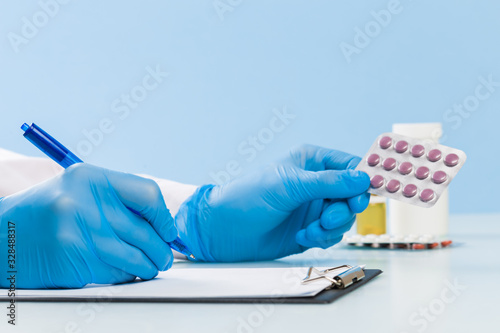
{"x":412,"y":281}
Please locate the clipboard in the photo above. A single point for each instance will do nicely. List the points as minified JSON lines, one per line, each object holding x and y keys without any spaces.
{"x":333,"y":287}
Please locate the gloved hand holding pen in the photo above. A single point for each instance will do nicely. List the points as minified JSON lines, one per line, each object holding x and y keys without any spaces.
{"x":307,"y":200}
{"x":76,"y":229}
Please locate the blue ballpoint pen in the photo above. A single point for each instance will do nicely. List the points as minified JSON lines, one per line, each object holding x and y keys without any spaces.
{"x":65,"y":158}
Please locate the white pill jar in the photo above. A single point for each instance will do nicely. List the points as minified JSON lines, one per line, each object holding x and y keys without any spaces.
{"x":405,"y":219}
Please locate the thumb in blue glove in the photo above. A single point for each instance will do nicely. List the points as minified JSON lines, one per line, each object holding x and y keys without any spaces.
{"x":340,"y":191}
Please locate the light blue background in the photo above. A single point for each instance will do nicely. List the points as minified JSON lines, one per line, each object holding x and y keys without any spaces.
{"x":226,"y":77}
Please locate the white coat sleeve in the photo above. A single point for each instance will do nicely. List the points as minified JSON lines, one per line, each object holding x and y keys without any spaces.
{"x":19,"y":172}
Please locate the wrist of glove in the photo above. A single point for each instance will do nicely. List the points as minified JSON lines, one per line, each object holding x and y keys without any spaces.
{"x":191,"y":226}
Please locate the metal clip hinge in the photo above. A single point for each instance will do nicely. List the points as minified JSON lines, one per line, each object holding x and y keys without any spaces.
{"x":342,"y":280}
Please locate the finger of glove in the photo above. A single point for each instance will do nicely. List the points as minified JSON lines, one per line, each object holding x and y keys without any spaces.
{"x":118,"y":254}
{"x":302,"y":240}
{"x":336,"y":215}
{"x":105,"y":274}
{"x":315,"y":232}
{"x":317,"y":158}
{"x":338,"y":160}
{"x":317,"y":236}
{"x":143,"y":196}
{"x":329,"y":184}
{"x":359,"y":203}
{"x":137,"y":232}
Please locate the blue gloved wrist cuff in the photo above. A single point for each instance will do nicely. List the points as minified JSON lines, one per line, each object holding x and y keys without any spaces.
{"x":188,"y":222}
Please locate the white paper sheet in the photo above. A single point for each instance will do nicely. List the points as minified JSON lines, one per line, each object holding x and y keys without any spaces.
{"x":202,"y":283}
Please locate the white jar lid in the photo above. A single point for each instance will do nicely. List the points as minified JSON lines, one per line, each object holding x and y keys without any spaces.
{"x":429,"y":131}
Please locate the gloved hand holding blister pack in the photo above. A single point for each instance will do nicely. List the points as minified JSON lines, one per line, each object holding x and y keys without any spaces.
{"x":76,"y":229}
{"x":307,"y":200}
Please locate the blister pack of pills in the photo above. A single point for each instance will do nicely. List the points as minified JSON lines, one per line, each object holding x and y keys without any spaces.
{"x":409,"y":242}
{"x":410,"y":170}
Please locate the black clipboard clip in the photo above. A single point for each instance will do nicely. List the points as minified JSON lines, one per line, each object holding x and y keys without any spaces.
{"x":342,"y":280}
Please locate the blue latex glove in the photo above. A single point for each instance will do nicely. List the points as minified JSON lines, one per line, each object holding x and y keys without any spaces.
{"x":308,"y":200}
{"x":75,"y":229}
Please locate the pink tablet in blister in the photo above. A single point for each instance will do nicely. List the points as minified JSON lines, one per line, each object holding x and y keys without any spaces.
{"x":410,"y":170}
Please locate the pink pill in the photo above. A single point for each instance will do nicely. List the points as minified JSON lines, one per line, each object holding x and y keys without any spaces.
{"x":434,"y":155}
{"x":427,"y":195}
{"x":410,"y":191}
{"x":377,"y":181}
{"x":405,"y":168}
{"x":451,"y":160}
{"x":439,"y":177}
{"x":385,"y":142}
{"x":373,"y":160}
{"x":422,"y":172}
{"x":393,"y":186}
{"x":417,"y":150}
{"x":389,"y":164}
{"x":401,"y":146}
